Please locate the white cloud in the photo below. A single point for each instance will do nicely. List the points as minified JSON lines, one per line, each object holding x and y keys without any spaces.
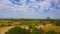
{"x":14,"y":10}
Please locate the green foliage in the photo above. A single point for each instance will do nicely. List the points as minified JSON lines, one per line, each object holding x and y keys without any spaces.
{"x":42,"y":22}
{"x":51,"y":32}
{"x":17,"y":30}
{"x":35,"y":30}
{"x":52,"y":21}
{"x":57,"y":22}
{"x":3,"y":24}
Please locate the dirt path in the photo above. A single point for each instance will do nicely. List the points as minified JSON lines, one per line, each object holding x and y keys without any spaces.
{"x":5,"y":29}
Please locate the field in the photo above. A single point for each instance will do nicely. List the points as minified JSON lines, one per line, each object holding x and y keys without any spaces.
{"x":45,"y":24}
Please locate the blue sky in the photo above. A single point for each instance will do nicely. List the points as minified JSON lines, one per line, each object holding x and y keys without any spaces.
{"x":38,"y":9}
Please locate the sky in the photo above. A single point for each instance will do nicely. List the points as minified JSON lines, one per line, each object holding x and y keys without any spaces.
{"x":31,"y":9}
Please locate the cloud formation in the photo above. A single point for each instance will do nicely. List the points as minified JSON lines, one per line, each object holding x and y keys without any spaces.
{"x":30,"y":9}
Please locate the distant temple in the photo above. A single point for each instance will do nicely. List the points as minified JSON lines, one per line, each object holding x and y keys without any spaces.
{"x":48,"y":18}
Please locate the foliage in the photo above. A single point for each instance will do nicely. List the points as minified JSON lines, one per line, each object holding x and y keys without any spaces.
{"x":51,"y":32}
{"x":42,"y":22}
{"x":57,"y":22}
{"x":35,"y":30}
{"x":16,"y":30}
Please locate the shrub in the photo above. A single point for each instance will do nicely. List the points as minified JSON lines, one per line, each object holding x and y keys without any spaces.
{"x":57,"y":22}
{"x":51,"y":32}
{"x":35,"y":30}
{"x":16,"y":30}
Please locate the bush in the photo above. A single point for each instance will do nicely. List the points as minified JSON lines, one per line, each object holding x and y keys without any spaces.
{"x":57,"y":22}
{"x":51,"y":32}
{"x":17,"y":30}
{"x":35,"y":30}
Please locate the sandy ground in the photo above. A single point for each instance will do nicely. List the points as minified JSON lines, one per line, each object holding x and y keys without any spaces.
{"x":5,"y":29}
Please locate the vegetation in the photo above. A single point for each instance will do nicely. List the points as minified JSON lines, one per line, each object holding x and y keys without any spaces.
{"x":17,"y":30}
{"x":32,"y":24}
{"x":35,"y":30}
{"x":57,"y":22}
{"x":51,"y":32}
{"x":9,"y":22}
